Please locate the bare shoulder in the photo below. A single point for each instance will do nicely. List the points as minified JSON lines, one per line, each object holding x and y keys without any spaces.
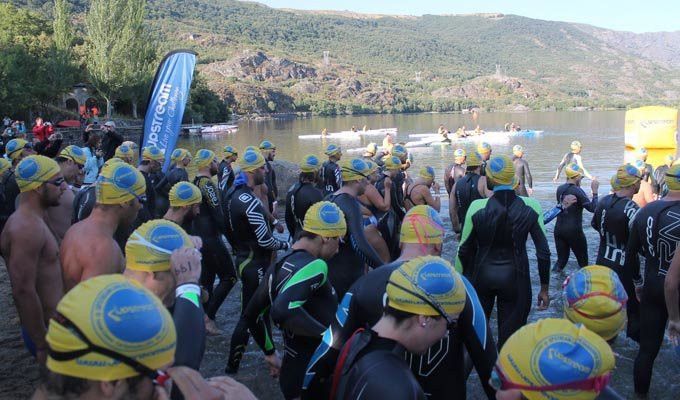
{"x":25,"y":228}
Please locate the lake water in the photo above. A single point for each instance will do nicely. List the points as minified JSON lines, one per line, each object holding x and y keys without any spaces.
{"x":601,"y":134}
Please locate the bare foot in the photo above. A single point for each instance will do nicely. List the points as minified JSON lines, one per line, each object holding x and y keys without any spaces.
{"x":210,"y":327}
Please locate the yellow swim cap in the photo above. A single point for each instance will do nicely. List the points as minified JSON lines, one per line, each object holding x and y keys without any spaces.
{"x":518,"y":150}
{"x":267,"y":145}
{"x":153,"y":153}
{"x":372,"y":167}
{"x":112,"y":160}
{"x":229,"y":151}
{"x":426,"y":173}
{"x":483,"y":148}
{"x":371,"y":149}
{"x":642,"y":152}
{"x":459,"y":156}
{"x":310,"y":163}
{"x":473,"y":159}
{"x":251,"y":160}
{"x":422,"y":225}
{"x":179,"y":154}
{"x":575,"y":145}
{"x":354,"y":169}
{"x":501,"y":172}
{"x":131,"y":144}
{"x":35,"y":170}
{"x":573,"y":170}
{"x":119,"y":183}
{"x":626,"y":175}
{"x":203,"y":158}
{"x":14,"y":148}
{"x":325,"y":219}
{"x":184,"y":194}
{"x":595,"y":297}
{"x":4,"y":165}
{"x":74,"y":153}
{"x":673,"y":177}
{"x":392,"y":163}
{"x":124,"y":151}
{"x":426,"y":286}
{"x":150,"y":246}
{"x":115,"y":314}
{"x":399,"y":151}
{"x":333,"y":150}
{"x":670,"y":158}
{"x":552,"y":352}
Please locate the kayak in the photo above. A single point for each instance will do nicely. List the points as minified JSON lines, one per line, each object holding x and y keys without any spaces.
{"x":489,"y":137}
{"x":350,"y":135}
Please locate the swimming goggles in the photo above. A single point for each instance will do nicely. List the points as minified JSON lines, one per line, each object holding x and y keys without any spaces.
{"x":450,"y":323}
{"x":157,"y":376}
{"x":499,"y":381}
{"x":571,"y":302}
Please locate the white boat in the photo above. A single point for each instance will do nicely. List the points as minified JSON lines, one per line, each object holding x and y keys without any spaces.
{"x":431,"y":138}
{"x":219,"y":129}
{"x":352,"y":135}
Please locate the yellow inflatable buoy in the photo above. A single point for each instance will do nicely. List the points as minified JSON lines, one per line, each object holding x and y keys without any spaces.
{"x":651,"y":127}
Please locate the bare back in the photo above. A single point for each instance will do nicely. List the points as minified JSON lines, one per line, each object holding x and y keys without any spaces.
{"x":31,"y":254}
{"x":89,"y":250}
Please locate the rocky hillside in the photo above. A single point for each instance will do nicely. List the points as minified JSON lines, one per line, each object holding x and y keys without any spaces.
{"x":263,"y":60}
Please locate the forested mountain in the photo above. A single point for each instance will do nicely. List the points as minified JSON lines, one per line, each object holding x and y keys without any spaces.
{"x":269,"y":60}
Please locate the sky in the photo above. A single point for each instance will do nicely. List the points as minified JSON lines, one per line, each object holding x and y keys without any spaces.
{"x":624,"y":15}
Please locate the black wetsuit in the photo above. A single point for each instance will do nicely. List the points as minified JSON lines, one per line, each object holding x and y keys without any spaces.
{"x":440,"y":371}
{"x":523,"y":174}
{"x":567,"y":159}
{"x":225,"y":177}
{"x":654,"y":234}
{"x":298,"y":200}
{"x":452,"y":173}
{"x":569,"y":226}
{"x":331,"y":177}
{"x":660,"y":186}
{"x":148,"y":210}
{"x":187,"y":313}
{"x":466,"y":191}
{"x":161,"y":202}
{"x":355,"y":251}
{"x":253,"y":243}
{"x":389,"y":223}
{"x":375,"y":369}
{"x":612,"y":220}
{"x":209,"y":224}
{"x":493,"y":255}
{"x":163,"y":186}
{"x":303,"y":304}
{"x":407,"y":196}
{"x":270,"y":180}
{"x":10,"y":192}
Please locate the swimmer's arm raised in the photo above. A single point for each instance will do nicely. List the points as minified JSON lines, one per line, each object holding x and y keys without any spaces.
{"x":23,"y":273}
{"x":373,"y":195}
{"x":434,"y":202}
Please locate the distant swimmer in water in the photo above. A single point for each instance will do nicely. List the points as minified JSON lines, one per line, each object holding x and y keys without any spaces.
{"x":574,"y":156}
{"x":479,"y":131}
{"x":365,"y":128}
{"x":354,"y":128}
{"x":324,"y":132}
{"x":522,"y":172}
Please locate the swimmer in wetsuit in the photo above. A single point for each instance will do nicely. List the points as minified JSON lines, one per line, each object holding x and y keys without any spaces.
{"x":522,"y":172}
{"x":331,"y":177}
{"x":303,"y":301}
{"x":209,"y":225}
{"x":390,"y":221}
{"x":454,"y":171}
{"x":467,"y":189}
{"x":574,"y":156}
{"x":355,"y":251}
{"x":418,"y":192}
{"x":569,"y":226}
{"x":225,"y":171}
{"x":152,"y":159}
{"x":251,"y":237}
{"x":440,"y":371}
{"x":612,"y":219}
{"x":268,"y":150}
{"x":302,"y":195}
{"x":492,"y":251}
{"x":660,"y":188}
{"x":484,"y":150}
{"x":418,"y":314}
{"x":180,"y":159}
{"x":185,"y":204}
{"x":654,"y":234}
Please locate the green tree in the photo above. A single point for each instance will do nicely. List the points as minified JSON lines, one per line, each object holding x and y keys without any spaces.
{"x":118,"y":50}
{"x":204,"y":105}
{"x":61,"y":24}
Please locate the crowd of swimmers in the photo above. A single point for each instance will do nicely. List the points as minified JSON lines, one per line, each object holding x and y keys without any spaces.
{"x":118,"y":282}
